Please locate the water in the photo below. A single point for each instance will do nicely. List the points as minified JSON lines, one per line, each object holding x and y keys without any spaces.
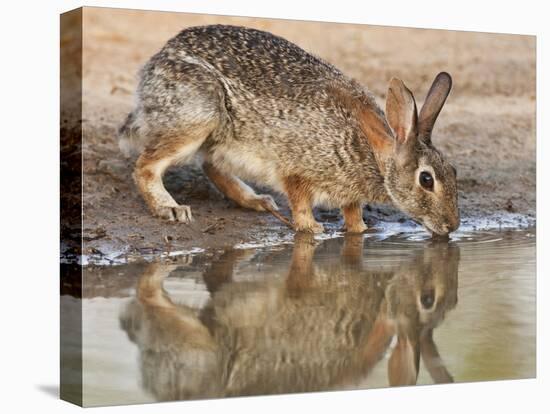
{"x":314,"y":315}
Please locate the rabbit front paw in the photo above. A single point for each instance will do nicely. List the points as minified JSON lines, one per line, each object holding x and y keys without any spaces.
{"x":357,"y":227}
{"x":310,"y":227}
{"x":175,"y":213}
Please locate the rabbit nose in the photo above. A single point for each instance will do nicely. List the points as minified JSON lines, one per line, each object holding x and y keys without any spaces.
{"x":427,"y":299}
{"x":453,"y":224}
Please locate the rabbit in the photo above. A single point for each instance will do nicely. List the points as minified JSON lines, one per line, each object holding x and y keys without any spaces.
{"x":419,"y":295}
{"x":253,"y":106}
{"x":320,"y":325}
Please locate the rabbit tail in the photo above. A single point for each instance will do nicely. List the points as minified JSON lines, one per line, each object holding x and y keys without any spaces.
{"x":129,"y":136}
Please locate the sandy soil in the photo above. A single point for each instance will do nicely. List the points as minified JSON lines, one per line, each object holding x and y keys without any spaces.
{"x":487,"y":126}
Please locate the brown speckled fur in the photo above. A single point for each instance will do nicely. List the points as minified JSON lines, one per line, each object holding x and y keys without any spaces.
{"x":257,"y":107}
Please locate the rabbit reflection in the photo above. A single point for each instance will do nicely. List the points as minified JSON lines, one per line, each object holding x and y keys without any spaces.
{"x":323,"y":325}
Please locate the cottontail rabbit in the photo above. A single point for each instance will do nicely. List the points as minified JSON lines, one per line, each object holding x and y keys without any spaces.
{"x":418,"y":297}
{"x":319,"y":325}
{"x":256,"y":107}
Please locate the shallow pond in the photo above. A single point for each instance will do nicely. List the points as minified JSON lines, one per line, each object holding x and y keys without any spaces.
{"x":312,"y":315}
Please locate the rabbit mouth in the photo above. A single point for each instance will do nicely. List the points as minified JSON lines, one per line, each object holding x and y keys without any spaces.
{"x":440,"y":237}
{"x":427,"y":224}
{"x":438,"y":232}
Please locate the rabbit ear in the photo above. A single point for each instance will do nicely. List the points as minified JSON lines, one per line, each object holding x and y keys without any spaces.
{"x":404,"y":362}
{"x":435,"y":99}
{"x":378,"y":340}
{"x":432,"y":360}
{"x":401,"y":112}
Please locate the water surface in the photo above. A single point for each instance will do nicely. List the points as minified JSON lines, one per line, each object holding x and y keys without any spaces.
{"x":314,"y":315}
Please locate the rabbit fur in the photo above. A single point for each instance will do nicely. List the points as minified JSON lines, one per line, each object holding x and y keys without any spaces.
{"x":253,"y":106}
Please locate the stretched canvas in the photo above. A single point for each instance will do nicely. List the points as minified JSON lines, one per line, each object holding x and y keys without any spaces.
{"x":254,"y":206}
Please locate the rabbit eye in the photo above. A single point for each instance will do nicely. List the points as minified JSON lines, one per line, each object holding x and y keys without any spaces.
{"x":426,"y":180}
{"x":427,"y":299}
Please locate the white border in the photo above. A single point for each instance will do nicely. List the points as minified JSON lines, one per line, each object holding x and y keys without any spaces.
{"x":29,"y":170}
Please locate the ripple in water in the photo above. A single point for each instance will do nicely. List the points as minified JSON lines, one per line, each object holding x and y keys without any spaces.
{"x":313,"y":315}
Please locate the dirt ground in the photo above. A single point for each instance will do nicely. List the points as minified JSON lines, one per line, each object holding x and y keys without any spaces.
{"x":487,"y":127}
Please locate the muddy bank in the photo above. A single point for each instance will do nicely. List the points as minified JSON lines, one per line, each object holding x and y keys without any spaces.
{"x":487,"y":127}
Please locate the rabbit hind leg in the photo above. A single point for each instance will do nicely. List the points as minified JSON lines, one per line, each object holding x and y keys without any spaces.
{"x":150,"y":285}
{"x":238,"y":191}
{"x":184,"y":328}
{"x":152,"y":164}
